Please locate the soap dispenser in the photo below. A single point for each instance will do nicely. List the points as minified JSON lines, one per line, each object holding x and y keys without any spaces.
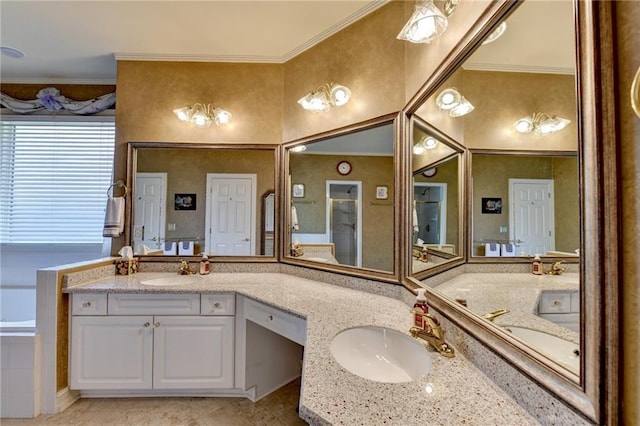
{"x":536,"y":266}
{"x":424,"y":255}
{"x":204,"y":265}
{"x":420,"y":307}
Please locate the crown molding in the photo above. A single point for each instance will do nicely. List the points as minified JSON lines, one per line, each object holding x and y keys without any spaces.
{"x":519,"y":68}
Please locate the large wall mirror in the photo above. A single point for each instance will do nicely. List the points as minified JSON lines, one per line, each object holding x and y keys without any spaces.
{"x":437,"y":212}
{"x":190,"y":199}
{"x":341,"y":200}
{"x":513,"y":107}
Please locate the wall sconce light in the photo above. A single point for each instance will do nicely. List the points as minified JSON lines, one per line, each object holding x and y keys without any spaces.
{"x":426,"y":23}
{"x":451,"y":100}
{"x":327,"y":96}
{"x":298,"y":148}
{"x":427,"y":142}
{"x":201,"y":115}
{"x":540,"y":123}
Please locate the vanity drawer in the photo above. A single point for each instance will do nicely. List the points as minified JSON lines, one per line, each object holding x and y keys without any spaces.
{"x":154,"y":304}
{"x":217,"y":304}
{"x":88,"y":304}
{"x":554,"y":303}
{"x":287,"y":325}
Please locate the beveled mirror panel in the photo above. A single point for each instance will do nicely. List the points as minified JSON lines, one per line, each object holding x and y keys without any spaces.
{"x":193,"y":199}
{"x":436,"y":199}
{"x":341,"y":191}
{"x":530,"y":69}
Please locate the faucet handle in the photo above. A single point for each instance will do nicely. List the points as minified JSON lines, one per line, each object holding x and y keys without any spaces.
{"x":495,"y":314}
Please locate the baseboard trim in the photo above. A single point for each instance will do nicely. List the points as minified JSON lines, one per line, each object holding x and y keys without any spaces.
{"x":65,"y":398}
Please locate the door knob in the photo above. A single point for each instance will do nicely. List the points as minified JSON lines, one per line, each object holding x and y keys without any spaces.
{"x":247,"y":239}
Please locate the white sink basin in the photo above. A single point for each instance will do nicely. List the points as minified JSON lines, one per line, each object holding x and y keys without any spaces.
{"x":172,"y":281}
{"x":562,"y":351}
{"x":381,"y":354}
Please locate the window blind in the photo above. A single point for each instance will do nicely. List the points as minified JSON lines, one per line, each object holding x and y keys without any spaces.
{"x":54,"y":176}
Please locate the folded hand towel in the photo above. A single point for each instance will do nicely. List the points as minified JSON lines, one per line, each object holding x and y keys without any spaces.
{"x":294,"y":219}
{"x":416,"y":225}
{"x":114,"y":217}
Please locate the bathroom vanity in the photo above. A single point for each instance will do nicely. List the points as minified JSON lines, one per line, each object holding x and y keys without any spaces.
{"x":274,"y":317}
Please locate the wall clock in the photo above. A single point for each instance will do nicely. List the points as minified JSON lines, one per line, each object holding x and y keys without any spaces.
{"x":430,"y":172}
{"x":344,"y":168}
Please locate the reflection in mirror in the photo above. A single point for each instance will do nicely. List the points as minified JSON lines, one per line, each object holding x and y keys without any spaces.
{"x":524,"y":205}
{"x":436,"y":214}
{"x":524,"y":187}
{"x":199,"y":199}
{"x":268,"y":223}
{"x":342,"y":192}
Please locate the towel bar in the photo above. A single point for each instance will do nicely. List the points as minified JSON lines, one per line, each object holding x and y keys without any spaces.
{"x":118,"y":184}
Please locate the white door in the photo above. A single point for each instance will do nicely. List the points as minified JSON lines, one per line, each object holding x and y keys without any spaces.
{"x":193,"y":352}
{"x":230,"y":214}
{"x":111,"y":352}
{"x":531,"y":216}
{"x":344,"y":220}
{"x":149,"y":210}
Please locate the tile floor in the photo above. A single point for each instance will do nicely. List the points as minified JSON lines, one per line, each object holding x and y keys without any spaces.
{"x":277,"y":409}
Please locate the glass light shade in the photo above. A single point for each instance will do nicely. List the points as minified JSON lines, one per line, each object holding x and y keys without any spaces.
{"x":426,"y":23}
{"x":550,"y":124}
{"x":495,"y":34}
{"x":523,"y":125}
{"x":419,"y":149}
{"x":448,"y":99}
{"x":299,"y":148}
{"x":222,"y":117}
{"x":340,"y":94}
{"x":201,"y":119}
{"x":464,"y":107}
{"x":183,"y":113}
{"x":429,"y":142}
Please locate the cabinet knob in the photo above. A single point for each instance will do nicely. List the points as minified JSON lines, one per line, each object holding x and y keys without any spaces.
{"x":86,"y":304}
{"x":146,"y":324}
{"x":217,"y":305}
{"x":156,"y":324}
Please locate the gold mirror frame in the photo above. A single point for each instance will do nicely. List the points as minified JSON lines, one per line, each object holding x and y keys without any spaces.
{"x":286,"y":200}
{"x":595,"y":395}
{"x":132,"y":151}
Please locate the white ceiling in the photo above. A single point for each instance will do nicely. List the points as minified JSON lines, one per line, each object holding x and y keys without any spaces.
{"x":79,"y":41}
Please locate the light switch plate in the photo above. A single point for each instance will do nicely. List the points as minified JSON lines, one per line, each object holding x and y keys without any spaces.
{"x":171,"y":227}
{"x":503,"y":229}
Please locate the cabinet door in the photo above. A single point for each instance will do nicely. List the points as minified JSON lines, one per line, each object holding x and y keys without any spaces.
{"x":111,"y":352}
{"x":193,"y":352}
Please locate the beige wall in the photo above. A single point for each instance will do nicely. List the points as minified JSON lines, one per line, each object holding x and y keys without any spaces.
{"x":366,"y":57}
{"x":377,"y":220}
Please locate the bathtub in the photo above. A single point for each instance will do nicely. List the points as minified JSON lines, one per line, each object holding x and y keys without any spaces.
{"x":17,"y":308}
{"x":20,"y":359}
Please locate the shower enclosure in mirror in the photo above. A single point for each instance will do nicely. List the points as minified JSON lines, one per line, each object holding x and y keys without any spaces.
{"x":344,"y":220}
{"x":229,"y":196}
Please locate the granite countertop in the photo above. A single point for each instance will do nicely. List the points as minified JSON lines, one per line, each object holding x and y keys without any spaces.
{"x":454,"y":392}
{"x":520,"y":294}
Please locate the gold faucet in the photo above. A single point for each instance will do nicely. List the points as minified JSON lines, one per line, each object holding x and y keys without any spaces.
{"x":432,"y":334}
{"x":556,"y":269}
{"x":495,"y":314}
{"x":185,"y":269}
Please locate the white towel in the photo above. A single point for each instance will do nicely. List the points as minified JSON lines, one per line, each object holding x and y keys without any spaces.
{"x":507,"y":250}
{"x":416,"y":225}
{"x":114,"y":217}
{"x":294,"y":219}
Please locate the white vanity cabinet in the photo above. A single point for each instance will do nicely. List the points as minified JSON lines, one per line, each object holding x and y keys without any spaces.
{"x":151,"y":341}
